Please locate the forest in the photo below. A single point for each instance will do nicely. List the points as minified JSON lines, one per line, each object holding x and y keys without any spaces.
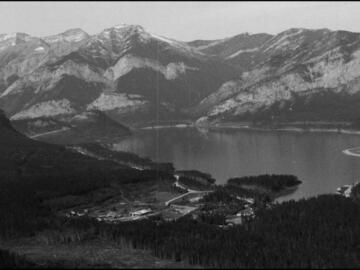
{"x":316,"y":233}
{"x":320,"y":232}
{"x":272,"y":182}
{"x":104,"y":152}
{"x":11,"y":260}
{"x":193,"y":183}
{"x":195,"y":174}
{"x":355,"y":192}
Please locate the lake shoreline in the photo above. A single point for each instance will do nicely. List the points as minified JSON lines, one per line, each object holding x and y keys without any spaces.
{"x":243,"y":126}
{"x":303,"y":129}
{"x":351,"y":151}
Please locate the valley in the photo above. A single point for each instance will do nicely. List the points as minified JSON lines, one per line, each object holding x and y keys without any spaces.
{"x":134,"y":189}
{"x":128,"y":149}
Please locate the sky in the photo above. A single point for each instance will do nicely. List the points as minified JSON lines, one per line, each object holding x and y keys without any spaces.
{"x":179,"y":20}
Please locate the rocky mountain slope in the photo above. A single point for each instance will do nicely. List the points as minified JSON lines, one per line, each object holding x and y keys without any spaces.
{"x":88,"y":126}
{"x":239,"y":51}
{"x":123,"y":71}
{"x":132,"y":75}
{"x":297,"y":75}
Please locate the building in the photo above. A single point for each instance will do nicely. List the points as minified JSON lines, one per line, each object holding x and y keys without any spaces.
{"x":248,"y":212}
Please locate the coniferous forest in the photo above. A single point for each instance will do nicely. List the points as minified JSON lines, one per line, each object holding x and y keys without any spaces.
{"x":320,"y":232}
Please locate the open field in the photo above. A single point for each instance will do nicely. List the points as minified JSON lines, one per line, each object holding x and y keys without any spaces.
{"x":94,"y":253}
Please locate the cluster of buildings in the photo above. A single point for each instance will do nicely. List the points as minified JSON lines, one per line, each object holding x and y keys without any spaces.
{"x":112,"y":216}
{"x":175,"y":208}
{"x":346,"y":190}
{"x":245,"y":214}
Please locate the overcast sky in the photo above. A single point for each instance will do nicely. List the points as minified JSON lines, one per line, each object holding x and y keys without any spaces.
{"x":179,"y":20}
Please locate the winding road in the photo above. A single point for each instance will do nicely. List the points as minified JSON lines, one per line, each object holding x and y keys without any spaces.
{"x":189,"y":191}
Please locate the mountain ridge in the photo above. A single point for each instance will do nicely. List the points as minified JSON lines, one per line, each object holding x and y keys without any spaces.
{"x":126,"y":71}
{"x":99,"y":62}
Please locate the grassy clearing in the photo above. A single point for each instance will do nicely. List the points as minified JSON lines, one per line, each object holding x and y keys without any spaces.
{"x":94,"y":253}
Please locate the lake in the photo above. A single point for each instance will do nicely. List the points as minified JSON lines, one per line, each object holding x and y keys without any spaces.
{"x":315,"y":157}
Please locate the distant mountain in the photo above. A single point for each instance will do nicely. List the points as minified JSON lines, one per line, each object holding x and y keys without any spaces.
{"x":121,"y":70}
{"x":72,"y":36}
{"x":239,"y":50}
{"x":299,"y":74}
{"x":133,"y":75}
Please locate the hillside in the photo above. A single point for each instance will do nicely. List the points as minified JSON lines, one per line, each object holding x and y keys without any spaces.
{"x":135,"y":76}
{"x":121,"y":71}
{"x":86,"y":127}
{"x":54,"y":170}
{"x":297,"y":75}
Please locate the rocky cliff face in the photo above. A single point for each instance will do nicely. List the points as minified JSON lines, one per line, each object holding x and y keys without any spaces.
{"x":299,"y":74}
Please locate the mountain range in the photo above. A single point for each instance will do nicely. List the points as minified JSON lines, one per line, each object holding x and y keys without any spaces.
{"x":132,"y":75}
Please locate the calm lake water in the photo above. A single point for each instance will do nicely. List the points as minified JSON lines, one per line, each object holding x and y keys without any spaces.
{"x":316,"y":158}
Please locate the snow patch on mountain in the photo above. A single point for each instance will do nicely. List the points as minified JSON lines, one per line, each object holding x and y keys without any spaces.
{"x":45,"y":109}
